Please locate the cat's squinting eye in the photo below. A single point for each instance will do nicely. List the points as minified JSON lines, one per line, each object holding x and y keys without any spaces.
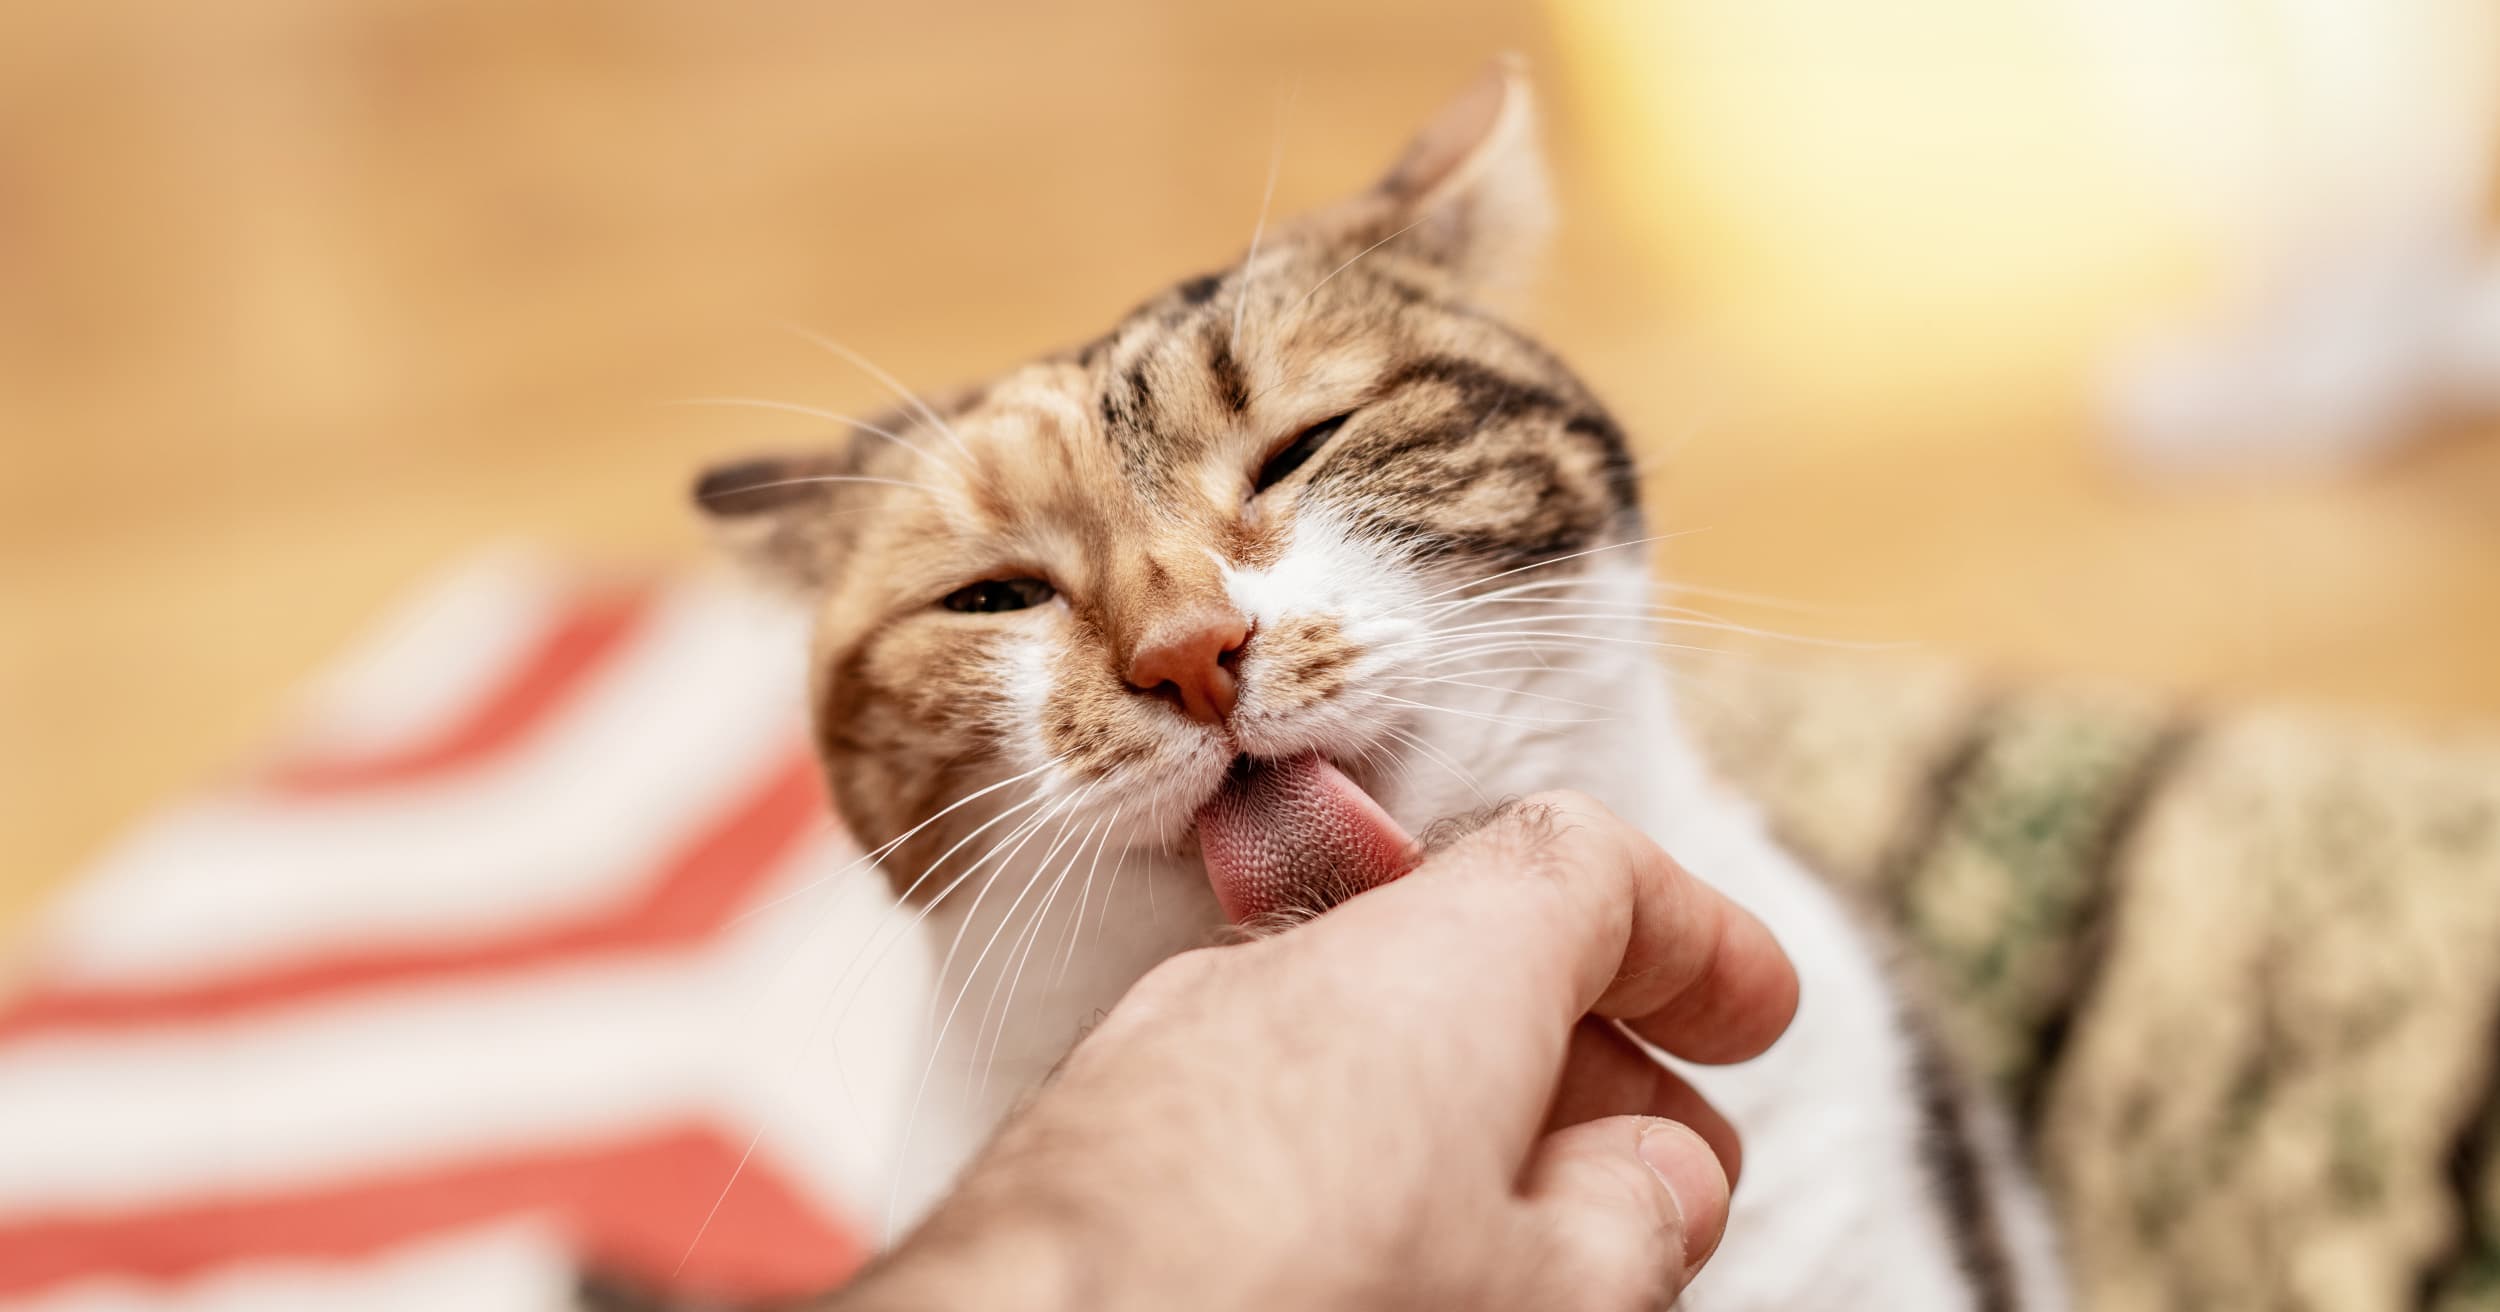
{"x":991,"y":595}
{"x":1294,"y":454}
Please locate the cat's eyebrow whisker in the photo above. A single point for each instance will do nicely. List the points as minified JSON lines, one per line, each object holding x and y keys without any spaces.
{"x":829,"y":416}
{"x":1258,"y":230}
{"x":1332,"y":273}
{"x":718,"y":494}
{"x":892,"y":384}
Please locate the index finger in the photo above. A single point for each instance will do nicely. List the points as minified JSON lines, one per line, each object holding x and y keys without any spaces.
{"x":1564,"y":907}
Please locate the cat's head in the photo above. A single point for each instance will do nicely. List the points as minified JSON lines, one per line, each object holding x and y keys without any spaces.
{"x":1248,"y":520}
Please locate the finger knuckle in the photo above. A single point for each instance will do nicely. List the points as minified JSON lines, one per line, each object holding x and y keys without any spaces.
{"x":1622,"y":1260}
{"x":1179,"y":976}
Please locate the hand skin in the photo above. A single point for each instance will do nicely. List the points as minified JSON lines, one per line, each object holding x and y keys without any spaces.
{"x":1417,"y":1100}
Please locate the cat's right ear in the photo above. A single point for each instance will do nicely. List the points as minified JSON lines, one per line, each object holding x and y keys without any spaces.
{"x":769,"y":513}
{"x":1469,"y":192}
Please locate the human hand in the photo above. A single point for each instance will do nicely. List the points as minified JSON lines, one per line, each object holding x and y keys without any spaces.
{"x":1419,"y":1099}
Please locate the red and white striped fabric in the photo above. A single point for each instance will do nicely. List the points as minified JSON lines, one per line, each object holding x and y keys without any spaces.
{"x":533,"y":936}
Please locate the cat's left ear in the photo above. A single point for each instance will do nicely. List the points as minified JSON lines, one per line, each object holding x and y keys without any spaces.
{"x":1470,"y":192}
{"x":769,"y":513}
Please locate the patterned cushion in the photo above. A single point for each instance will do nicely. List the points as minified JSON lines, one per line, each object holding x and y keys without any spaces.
{"x":2239,"y":972}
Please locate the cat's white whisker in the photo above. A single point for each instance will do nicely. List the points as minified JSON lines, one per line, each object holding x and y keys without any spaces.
{"x":716,"y":494}
{"x":832,"y":994}
{"x":1076,"y":923}
{"x":829,"y":416}
{"x":1546,"y":563}
{"x":713,"y":1212}
{"x":1490,"y":717}
{"x":1023,"y":835}
{"x":874,"y":953}
{"x":1495,"y":688}
{"x":1331,"y":275}
{"x":1258,"y":230}
{"x":1574,"y":635}
{"x":892,"y":384}
{"x":1676,"y":673}
{"x":1041,"y":868}
{"x":1438,"y":757}
{"x":1668,"y":614}
{"x":937,"y":1047}
{"x":868,"y":858}
{"x":1762,"y":599}
{"x":1127,"y":845}
{"x":1022,"y":951}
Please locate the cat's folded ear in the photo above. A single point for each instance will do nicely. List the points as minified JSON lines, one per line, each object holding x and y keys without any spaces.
{"x":1470,"y":191}
{"x":771,"y":514}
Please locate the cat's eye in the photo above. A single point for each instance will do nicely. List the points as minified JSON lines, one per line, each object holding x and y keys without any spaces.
{"x":991,"y":595}
{"x":1296,"y":453}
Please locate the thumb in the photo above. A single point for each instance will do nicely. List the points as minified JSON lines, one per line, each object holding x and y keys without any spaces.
{"x":1632,"y":1205}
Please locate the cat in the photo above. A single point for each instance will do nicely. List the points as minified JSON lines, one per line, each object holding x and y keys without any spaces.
{"x":1320,"y":507}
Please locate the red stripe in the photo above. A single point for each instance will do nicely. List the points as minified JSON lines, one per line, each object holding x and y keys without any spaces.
{"x":568,"y":654}
{"x":687,"y":897}
{"x":632,"y":1208}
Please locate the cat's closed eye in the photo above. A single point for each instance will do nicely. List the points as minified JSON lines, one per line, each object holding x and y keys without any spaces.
{"x":1294,"y":454}
{"x":991,"y":595}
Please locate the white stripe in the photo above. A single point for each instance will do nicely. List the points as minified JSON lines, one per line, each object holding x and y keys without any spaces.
{"x":659,"y":745}
{"x":415,"y":1078}
{"x":433,"y":656}
{"x":512,"y":1267}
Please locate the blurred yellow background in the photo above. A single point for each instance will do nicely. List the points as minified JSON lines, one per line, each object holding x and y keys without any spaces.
{"x":300,"y":299}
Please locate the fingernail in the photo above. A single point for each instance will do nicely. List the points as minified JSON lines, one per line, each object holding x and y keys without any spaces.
{"x":1686,"y":1166}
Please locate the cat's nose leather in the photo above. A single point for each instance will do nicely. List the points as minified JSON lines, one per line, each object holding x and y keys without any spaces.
{"x":1190,"y":661}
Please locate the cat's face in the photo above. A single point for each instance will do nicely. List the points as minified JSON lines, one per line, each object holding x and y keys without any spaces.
{"x":1238,"y":523}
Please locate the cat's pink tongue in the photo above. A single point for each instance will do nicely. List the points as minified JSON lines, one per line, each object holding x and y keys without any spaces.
{"x":1295,"y":835}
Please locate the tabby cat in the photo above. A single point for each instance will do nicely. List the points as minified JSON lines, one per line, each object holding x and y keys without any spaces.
{"x":1317,"y":526}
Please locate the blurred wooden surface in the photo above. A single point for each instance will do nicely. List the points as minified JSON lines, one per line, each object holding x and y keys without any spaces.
{"x":300,"y":299}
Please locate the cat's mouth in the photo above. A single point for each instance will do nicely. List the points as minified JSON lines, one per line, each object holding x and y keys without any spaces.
{"x":1295,"y":834}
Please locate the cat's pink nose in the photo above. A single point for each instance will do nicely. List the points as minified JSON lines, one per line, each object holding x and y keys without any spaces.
{"x":1190,"y":662}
